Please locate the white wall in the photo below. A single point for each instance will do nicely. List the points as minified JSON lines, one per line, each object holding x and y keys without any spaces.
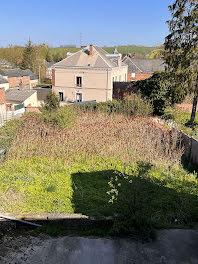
{"x":4,"y":85}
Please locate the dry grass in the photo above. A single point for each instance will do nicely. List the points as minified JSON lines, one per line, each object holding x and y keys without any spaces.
{"x":129,"y":139}
{"x":11,"y":201}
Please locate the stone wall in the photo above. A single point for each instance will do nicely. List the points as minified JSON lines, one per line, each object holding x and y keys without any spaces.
{"x":122,"y":89}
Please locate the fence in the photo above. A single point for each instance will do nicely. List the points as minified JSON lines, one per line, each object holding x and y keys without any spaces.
{"x":9,"y":115}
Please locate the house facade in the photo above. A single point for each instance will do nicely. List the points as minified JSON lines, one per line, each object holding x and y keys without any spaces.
{"x":141,"y":69}
{"x":34,"y":80}
{"x":17,"y":78}
{"x":88,"y":75}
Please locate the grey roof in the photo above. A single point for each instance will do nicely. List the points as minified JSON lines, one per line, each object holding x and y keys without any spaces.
{"x":3,"y":80}
{"x":50,"y":64}
{"x":42,"y":93}
{"x":82,"y":58}
{"x":13,"y":72}
{"x":18,"y":95}
{"x":5,"y":62}
{"x":144,"y":65}
{"x":31,"y":74}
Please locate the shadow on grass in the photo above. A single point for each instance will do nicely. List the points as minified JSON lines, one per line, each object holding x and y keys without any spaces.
{"x":145,"y":197}
{"x":188,"y":165}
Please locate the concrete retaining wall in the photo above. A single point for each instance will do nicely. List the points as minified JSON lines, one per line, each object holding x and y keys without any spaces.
{"x":191,"y":149}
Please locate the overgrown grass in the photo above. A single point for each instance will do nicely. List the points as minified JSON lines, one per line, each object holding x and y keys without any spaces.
{"x":8,"y":132}
{"x":167,"y":197}
{"x":81,"y":169}
{"x":182,"y":121}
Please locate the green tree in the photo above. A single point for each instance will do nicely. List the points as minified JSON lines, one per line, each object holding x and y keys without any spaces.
{"x":51,"y":102}
{"x":29,"y":56}
{"x":181,"y":48}
{"x":160,"y":90}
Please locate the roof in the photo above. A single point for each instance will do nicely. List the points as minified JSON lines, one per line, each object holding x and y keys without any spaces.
{"x":5,"y":62}
{"x":42,"y":93}
{"x":3,"y":80}
{"x":144,"y":65}
{"x":13,"y":72}
{"x":98,"y":59}
{"x":18,"y":95}
{"x":31,"y":74}
{"x":50,"y":64}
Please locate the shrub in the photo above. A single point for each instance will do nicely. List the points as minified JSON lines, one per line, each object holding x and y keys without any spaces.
{"x":62,"y":117}
{"x":51,"y":102}
{"x":133,"y":105}
{"x":161,"y":90}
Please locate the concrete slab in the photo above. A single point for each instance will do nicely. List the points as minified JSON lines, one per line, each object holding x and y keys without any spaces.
{"x":172,"y":247}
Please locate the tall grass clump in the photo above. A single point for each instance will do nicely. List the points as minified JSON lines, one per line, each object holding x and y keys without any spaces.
{"x":8,"y":132}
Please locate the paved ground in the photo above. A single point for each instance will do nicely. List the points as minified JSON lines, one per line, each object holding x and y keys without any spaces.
{"x":172,"y":246}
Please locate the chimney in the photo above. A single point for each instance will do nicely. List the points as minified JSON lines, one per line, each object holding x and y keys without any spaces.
{"x":91,"y":49}
{"x":134,"y":55}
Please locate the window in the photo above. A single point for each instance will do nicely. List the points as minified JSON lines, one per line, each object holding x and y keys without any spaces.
{"x":79,"y":81}
{"x":61,"y":96}
{"x":125,"y":77}
{"x":78,"y":97}
{"x":119,"y":78}
{"x":113,"y":79}
{"x":27,"y":87}
{"x":133,"y":74}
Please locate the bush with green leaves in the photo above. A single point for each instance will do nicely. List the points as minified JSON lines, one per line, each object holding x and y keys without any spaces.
{"x":161,"y":90}
{"x":51,"y":102}
{"x":133,"y":105}
{"x":61,"y":117}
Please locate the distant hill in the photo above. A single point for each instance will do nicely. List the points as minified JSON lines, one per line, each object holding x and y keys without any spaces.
{"x":141,"y":51}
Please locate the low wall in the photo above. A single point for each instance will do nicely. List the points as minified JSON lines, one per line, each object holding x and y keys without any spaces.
{"x":32,"y":109}
{"x":190,"y":144}
{"x":190,"y":149}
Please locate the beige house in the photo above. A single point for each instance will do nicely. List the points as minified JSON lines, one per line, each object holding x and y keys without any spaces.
{"x":88,"y":75}
{"x":15,"y":97}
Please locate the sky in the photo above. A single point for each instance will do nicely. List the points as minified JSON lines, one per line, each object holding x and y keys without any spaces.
{"x":100,"y":22}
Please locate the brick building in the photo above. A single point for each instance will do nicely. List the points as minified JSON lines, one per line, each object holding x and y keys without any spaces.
{"x":141,"y":69}
{"x":17,"y":78}
{"x":34,"y":80}
{"x":2,"y":100}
